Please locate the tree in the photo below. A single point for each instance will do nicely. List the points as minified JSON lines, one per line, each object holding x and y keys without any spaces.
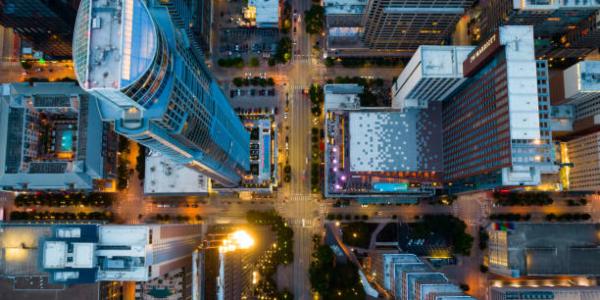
{"x":254,"y":61}
{"x":314,"y":19}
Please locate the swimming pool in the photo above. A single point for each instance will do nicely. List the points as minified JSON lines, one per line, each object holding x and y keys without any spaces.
{"x":390,"y":187}
{"x":66,"y":141}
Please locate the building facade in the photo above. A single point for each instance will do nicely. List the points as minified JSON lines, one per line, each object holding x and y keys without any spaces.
{"x":405,"y":276}
{"x":563,"y":29}
{"x":155,"y":87}
{"x":53,"y":138}
{"x":491,"y":125}
{"x":557,"y":293}
{"x":47,"y":24}
{"x":584,"y":154}
{"x":382,"y":28}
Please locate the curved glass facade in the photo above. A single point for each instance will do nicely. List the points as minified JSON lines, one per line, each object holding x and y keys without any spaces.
{"x":81,"y":40}
{"x":151,"y":83}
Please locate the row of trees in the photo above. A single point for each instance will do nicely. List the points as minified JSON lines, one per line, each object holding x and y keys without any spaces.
{"x":178,"y":218}
{"x":123,"y":163}
{"x":333,"y":279}
{"x":66,"y":216}
{"x":281,"y":254}
{"x":314,"y":19}
{"x":568,"y":217}
{"x":510,"y":217}
{"x":347,"y":217}
{"x":64,"y":199}
{"x":315,"y":166}
{"x":522,"y":199}
{"x":240,"y":81}
{"x":237,"y":62}
{"x":283,"y":52}
{"x":451,"y":228}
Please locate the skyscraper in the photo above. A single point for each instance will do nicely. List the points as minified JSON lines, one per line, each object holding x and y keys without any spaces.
{"x":47,"y":24}
{"x":389,"y":27}
{"x":143,"y":63}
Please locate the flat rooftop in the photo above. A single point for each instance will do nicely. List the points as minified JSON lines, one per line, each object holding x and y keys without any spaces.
{"x":342,"y":96}
{"x":348,"y":7}
{"x":122,"y":43}
{"x":555,"y":249}
{"x":395,"y":141}
{"x":267,"y":11}
{"x":20,"y":245}
{"x":163,"y":176}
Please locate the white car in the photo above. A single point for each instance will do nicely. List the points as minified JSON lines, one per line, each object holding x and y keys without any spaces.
{"x":285,"y":115}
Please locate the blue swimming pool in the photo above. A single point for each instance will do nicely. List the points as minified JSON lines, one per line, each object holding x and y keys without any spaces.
{"x":390,"y":187}
{"x":66,"y":141}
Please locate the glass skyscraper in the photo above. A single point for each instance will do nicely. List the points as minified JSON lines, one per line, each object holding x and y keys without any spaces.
{"x":141,"y":60}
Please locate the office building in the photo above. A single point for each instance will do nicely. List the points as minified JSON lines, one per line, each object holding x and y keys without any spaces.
{"x":389,"y":27}
{"x":154,"y":86}
{"x":491,"y":125}
{"x":562,"y":28}
{"x":584,"y":155}
{"x":406,"y":276}
{"x":544,"y":249}
{"x":53,"y":138}
{"x":556,"y":293}
{"x":89,"y":253}
{"x":47,"y":24}
{"x":202,"y":20}
{"x":432,"y":74}
{"x":378,"y":154}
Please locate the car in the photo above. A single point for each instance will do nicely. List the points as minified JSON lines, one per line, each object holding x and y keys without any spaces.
{"x":261,"y":92}
{"x":232,"y":93}
{"x":285,"y":115}
{"x":295,"y":31}
{"x":252,"y":92}
{"x":287,"y":146}
{"x":271,"y":92}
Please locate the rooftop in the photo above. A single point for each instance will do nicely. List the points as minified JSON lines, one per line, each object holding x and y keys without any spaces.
{"x":394,"y":141}
{"x":554,"y":248}
{"x":342,"y":96}
{"x":115,"y":56}
{"x":267,"y":12}
{"x":347,"y":7}
{"x":163,"y":176}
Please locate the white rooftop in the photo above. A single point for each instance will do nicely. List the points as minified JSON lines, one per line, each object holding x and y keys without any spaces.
{"x":163,"y":176}
{"x":335,"y":7}
{"x":55,"y":255}
{"x":267,"y":12}
{"x":382,"y":141}
{"x":342,"y":96}
{"x":582,"y":81}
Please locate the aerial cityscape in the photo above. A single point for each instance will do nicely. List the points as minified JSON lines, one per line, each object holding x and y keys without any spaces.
{"x":299,"y":149}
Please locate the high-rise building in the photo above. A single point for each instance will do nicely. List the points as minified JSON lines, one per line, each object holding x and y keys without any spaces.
{"x":389,"y":27}
{"x":432,"y":74}
{"x":47,"y":24}
{"x":554,"y":292}
{"x":378,"y":155}
{"x":491,"y":124}
{"x":89,"y":253}
{"x":563,"y":29}
{"x":143,"y":63}
{"x":52,"y":137}
{"x":202,"y":23}
{"x":544,"y":249}
{"x":81,"y":254}
{"x":584,"y":155}
{"x":406,"y":277}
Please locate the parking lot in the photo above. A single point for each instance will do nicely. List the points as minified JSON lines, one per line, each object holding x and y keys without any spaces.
{"x":247,"y":42}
